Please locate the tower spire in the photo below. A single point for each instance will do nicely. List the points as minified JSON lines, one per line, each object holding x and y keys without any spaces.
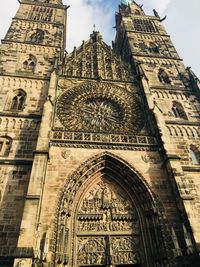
{"x":125,"y":2}
{"x":132,"y":7}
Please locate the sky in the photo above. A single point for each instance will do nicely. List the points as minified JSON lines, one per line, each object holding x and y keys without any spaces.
{"x":182,"y":23}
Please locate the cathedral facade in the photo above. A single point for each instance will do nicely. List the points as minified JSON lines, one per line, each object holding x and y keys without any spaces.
{"x":99,"y":148}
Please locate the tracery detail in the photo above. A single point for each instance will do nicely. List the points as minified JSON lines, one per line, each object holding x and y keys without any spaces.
{"x":36,"y":37}
{"x":104,"y":209}
{"x":144,"y":25}
{"x":99,"y":107}
{"x":41,"y":13}
{"x":94,"y":59}
{"x":101,"y":113}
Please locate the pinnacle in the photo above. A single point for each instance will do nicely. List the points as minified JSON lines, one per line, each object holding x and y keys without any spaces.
{"x":125,"y":2}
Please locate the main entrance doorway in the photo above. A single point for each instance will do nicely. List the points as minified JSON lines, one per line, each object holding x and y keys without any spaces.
{"x":107,"y":227}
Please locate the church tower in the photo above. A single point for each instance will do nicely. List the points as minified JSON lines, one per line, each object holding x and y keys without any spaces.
{"x":172,"y":94}
{"x":99,"y":148}
{"x":28,"y":55}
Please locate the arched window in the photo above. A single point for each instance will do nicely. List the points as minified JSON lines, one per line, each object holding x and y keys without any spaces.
{"x":153,"y":48}
{"x":5,"y":145}
{"x":178,"y":110}
{"x":37,"y":37}
{"x":194,"y":155}
{"x":163,"y":77}
{"x":17,"y":100}
{"x":29,"y":64}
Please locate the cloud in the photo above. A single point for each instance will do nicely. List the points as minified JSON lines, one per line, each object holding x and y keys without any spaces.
{"x":82,"y":15}
{"x":7,"y":11}
{"x":160,"y":5}
{"x":182,"y":22}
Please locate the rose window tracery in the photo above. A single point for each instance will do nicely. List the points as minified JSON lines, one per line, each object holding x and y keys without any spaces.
{"x":101,"y":114}
{"x":99,"y":107}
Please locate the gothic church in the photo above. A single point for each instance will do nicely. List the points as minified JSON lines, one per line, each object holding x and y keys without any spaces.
{"x":99,"y":148}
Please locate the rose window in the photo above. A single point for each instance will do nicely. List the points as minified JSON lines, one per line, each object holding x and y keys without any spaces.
{"x":101,"y":114}
{"x":98,"y":107}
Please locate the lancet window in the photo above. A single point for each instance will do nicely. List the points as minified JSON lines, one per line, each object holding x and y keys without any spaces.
{"x":29,"y":64}
{"x":37,"y":37}
{"x":144,"y":25}
{"x":153,"y":48}
{"x":178,"y":110}
{"x":41,"y":14}
{"x":163,"y":77}
{"x":18,"y":100}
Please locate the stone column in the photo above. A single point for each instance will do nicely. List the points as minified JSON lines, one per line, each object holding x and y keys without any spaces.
{"x":29,"y":239}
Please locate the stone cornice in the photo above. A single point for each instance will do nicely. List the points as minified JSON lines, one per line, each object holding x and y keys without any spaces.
{"x":19,"y":115}
{"x":16,"y":161}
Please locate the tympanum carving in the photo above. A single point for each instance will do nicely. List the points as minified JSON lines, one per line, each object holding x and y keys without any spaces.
{"x":107,"y":211}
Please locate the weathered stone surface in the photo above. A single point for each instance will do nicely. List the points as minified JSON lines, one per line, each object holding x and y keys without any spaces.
{"x":99,"y":149}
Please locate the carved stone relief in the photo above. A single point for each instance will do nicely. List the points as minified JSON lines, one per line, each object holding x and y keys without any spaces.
{"x":98,"y":223}
{"x":22,"y":262}
{"x":107,"y":211}
{"x":65,"y":153}
{"x":125,"y":250}
{"x":151,"y":159}
{"x":103,"y":209}
{"x":91,"y":251}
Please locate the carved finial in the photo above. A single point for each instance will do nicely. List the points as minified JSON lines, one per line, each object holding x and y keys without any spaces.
{"x":94,"y":27}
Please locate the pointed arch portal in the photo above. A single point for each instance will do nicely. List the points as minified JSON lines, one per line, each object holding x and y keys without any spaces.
{"x":107,"y":217}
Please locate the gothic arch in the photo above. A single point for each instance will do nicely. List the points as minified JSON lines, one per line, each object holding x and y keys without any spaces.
{"x":29,"y":63}
{"x":16,"y":100}
{"x":108,"y":172}
{"x":163,"y":77}
{"x":178,"y":110}
{"x":154,"y":48}
{"x":36,"y":36}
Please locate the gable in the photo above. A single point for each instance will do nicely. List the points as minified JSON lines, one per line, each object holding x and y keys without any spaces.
{"x":95,"y":59}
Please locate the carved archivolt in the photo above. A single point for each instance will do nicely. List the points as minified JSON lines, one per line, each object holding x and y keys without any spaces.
{"x":101,"y":218}
{"x":100,"y":107}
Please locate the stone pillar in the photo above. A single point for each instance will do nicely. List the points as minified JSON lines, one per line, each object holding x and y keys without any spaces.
{"x":29,"y":239}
